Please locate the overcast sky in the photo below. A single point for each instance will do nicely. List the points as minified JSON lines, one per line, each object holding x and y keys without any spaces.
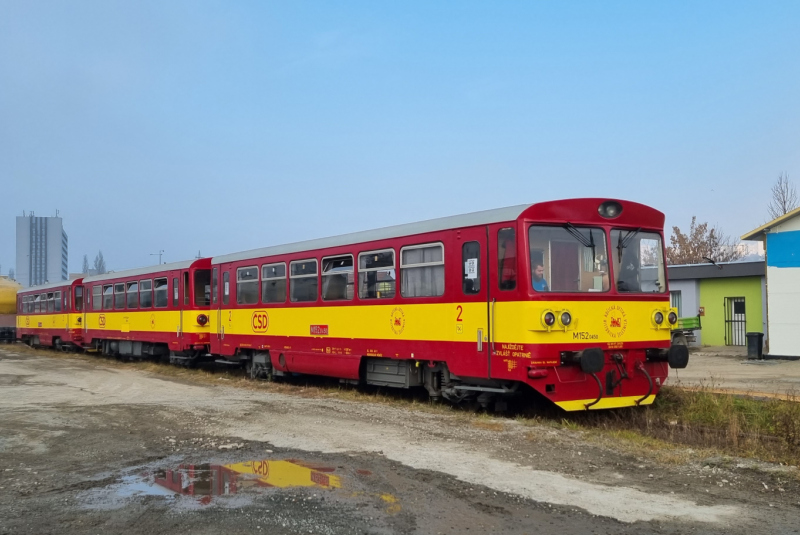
{"x":224,"y":126}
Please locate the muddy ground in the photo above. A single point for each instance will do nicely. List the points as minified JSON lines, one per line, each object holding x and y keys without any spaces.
{"x":91,"y":446}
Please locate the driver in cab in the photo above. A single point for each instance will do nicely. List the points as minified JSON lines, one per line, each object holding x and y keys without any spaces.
{"x":537,"y":276}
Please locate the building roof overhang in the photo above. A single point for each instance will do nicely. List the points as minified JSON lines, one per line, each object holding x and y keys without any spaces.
{"x":721,"y":270}
{"x":760,"y":232}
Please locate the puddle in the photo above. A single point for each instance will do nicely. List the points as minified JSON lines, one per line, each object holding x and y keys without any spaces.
{"x":201,"y":483}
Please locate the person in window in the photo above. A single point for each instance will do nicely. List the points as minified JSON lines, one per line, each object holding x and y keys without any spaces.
{"x":537,"y":275}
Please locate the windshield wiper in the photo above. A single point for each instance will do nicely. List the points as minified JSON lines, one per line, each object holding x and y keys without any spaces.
{"x":623,"y":241}
{"x":575,"y":233}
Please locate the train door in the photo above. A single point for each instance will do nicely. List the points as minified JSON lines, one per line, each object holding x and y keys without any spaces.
{"x":505,"y":282}
{"x":176,"y":306}
{"x":472,"y":309}
{"x":221,"y":291}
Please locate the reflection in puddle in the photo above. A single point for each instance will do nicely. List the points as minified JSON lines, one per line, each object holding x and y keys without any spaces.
{"x":204,"y":481}
{"x":216,"y":479}
{"x":189,"y":486}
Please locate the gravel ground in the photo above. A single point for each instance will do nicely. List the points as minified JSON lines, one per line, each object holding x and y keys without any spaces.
{"x":729,"y":369}
{"x":87,"y":446}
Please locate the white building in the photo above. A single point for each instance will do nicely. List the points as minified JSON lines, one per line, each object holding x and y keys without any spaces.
{"x":42,"y":250}
{"x":781,"y":237}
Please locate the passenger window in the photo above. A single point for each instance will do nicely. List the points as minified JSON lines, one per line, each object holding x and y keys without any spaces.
{"x":50,"y":302}
{"x":471,"y":261}
{"x":247,"y":285}
{"x":161,"y":292}
{"x":37,"y":304}
{"x":214,"y":286}
{"x":119,"y":295}
{"x":108,"y":297}
{"x":175,"y":291}
{"x":303,"y":280}
{"x":337,"y":278}
{"x":146,"y":293}
{"x":226,"y":288}
{"x":377,"y":278}
{"x":57,"y":301}
{"x":273,"y":283}
{"x":97,"y":297}
{"x":507,"y":259}
{"x":133,"y":295}
{"x":422,"y":270}
{"x":186,"y":292}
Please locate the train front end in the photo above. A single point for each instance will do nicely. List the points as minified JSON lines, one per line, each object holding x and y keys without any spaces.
{"x":593,"y":330}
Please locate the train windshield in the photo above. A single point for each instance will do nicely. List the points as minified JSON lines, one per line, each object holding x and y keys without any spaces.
{"x":568,"y":259}
{"x":638,"y":261}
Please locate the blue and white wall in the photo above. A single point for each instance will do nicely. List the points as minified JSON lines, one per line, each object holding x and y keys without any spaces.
{"x":783,"y":288}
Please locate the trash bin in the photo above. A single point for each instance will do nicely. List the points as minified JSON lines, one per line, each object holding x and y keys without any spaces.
{"x":755,"y":343}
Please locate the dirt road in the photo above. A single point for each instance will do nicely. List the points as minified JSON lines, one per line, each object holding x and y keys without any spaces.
{"x":91,"y":447}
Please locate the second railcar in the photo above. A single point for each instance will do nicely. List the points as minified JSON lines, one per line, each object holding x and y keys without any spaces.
{"x":160,"y":311}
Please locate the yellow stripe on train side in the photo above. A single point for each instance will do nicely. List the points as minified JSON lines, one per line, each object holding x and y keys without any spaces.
{"x":146,"y":321}
{"x":516,"y":322}
{"x":430,"y":322}
{"x":48,"y":321}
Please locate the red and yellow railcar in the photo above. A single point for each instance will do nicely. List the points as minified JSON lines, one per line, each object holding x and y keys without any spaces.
{"x":51,"y":314}
{"x":155,"y":311}
{"x":566,"y":297}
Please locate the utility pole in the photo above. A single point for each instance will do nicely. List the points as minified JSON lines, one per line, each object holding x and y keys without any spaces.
{"x":159,"y":253}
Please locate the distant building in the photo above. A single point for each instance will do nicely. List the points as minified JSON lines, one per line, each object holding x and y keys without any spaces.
{"x":729,"y":297}
{"x":781,"y":238}
{"x":42,"y":250}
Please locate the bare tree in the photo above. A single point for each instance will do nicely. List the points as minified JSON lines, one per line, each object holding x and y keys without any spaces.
{"x":99,"y":263}
{"x":701,"y":245}
{"x":85,"y":269}
{"x":784,"y":197}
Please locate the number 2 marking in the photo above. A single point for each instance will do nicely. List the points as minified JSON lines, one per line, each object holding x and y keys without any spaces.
{"x":460,"y":311}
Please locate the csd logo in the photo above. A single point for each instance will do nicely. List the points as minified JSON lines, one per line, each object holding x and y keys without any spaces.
{"x":259,"y":321}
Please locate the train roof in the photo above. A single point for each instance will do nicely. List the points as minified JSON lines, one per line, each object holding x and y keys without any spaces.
{"x":140,"y":271}
{"x":48,"y":286}
{"x":484,"y":217}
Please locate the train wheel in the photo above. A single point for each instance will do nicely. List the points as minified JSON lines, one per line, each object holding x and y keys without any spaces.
{"x":57,"y":344}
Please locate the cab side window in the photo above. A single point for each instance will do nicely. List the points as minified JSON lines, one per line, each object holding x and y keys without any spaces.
{"x":507,"y":259}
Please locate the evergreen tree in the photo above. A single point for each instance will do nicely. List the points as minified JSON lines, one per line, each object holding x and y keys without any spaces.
{"x":99,"y":263}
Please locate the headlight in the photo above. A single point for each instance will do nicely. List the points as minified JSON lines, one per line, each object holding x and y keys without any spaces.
{"x":549,"y":319}
{"x":658,"y":317}
{"x":610,"y":209}
{"x":566,"y":318}
{"x":202,"y":319}
{"x":673,"y":318}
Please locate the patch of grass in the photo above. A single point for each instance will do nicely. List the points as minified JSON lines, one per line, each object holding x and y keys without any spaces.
{"x":767,"y":429}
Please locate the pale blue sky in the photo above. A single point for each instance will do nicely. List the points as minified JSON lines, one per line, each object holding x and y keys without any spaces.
{"x":224,"y":126}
